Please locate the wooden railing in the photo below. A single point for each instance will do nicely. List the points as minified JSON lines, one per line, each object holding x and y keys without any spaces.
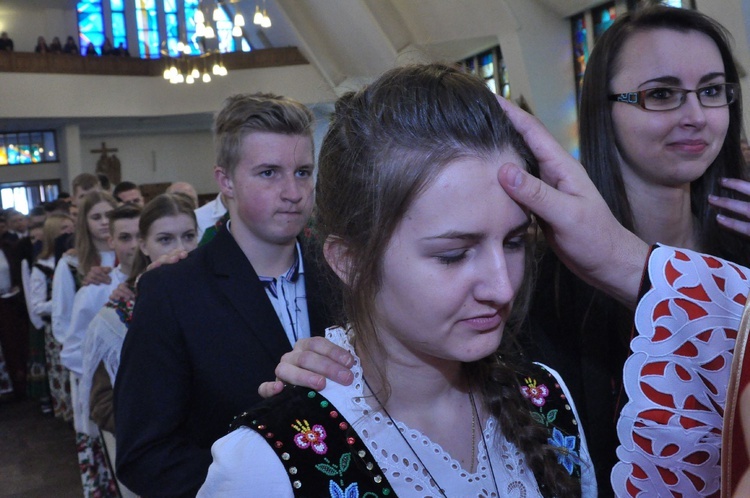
{"x":30,"y":62}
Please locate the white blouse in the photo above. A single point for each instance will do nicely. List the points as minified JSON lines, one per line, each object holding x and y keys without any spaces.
{"x":245,"y":465}
{"x":64,"y":291}
{"x":40,"y":305}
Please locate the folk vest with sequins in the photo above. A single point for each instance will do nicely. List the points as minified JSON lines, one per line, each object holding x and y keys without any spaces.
{"x":320,"y":450}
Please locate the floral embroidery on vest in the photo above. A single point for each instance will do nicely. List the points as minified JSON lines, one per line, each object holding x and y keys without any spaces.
{"x":549,"y":407}
{"x":123,"y":308}
{"x":300,"y":420}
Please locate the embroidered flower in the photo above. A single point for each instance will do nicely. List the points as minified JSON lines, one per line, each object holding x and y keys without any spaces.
{"x":351,"y":491}
{"x":567,"y":456}
{"x":536,"y":394}
{"x":310,"y":437}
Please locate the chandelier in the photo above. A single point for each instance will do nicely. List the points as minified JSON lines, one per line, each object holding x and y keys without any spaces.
{"x":190,"y":68}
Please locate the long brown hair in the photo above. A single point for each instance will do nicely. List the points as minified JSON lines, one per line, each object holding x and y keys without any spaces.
{"x":88,"y":256}
{"x":385,"y":145}
{"x":599,"y":153}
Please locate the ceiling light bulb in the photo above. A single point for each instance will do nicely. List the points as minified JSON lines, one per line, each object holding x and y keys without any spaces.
{"x":167,"y":73}
{"x":216,"y":69}
{"x":206,"y":78}
{"x":189,"y":80}
{"x":200,"y":30}
{"x":210,"y":32}
{"x":195,"y":73}
{"x":266,"y":20}
{"x":239,"y":20}
{"x":217,"y":14}
{"x":236,"y":31}
{"x":199,"y":18}
{"x":258,"y":17}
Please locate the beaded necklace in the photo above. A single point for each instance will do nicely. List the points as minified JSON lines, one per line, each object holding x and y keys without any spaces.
{"x":474,"y":418}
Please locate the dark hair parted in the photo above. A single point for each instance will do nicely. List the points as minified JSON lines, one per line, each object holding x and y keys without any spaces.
{"x":159,"y":207}
{"x":599,"y":153}
{"x":386,"y":144}
{"x":258,"y":112}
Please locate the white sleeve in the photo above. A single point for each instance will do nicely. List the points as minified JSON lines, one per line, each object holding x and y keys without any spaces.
{"x":63,"y":293}
{"x":85,"y":306}
{"x":40,"y":306}
{"x":588,"y":476}
{"x":245,"y":466}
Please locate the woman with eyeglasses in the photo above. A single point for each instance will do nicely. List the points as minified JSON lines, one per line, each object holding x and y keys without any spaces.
{"x":661,"y":120}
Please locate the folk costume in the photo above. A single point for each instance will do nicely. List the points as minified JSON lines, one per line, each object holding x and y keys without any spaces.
{"x":303,"y":443}
{"x":40,"y":300}
{"x":677,"y":375}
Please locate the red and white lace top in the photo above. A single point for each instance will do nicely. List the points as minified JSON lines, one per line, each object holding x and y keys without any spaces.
{"x":676,"y":377}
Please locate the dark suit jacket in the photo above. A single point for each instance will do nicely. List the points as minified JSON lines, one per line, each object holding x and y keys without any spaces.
{"x":204,"y":336}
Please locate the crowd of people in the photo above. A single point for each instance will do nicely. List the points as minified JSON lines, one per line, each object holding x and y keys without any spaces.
{"x":69,"y":47}
{"x":496,"y":318}
{"x":58,"y":266}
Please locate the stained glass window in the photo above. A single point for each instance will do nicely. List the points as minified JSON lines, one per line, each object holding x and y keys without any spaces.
{"x":603,"y":18}
{"x":27,"y":148}
{"x":90,"y":24}
{"x":148,"y":29}
{"x":224,"y":27}
{"x":580,"y":52}
{"x":160,"y":25}
{"x":119,"y":27}
{"x":491,"y":68}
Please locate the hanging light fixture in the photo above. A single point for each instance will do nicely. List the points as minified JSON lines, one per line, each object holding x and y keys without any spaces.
{"x":186,"y":67}
{"x":266,"y":20}
{"x":258,"y":17}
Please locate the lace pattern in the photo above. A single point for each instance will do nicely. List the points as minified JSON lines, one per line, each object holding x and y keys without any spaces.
{"x":676,"y":378}
{"x":406,"y":474}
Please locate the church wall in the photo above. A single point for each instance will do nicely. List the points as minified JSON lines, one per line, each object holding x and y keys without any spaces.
{"x":158,"y":158}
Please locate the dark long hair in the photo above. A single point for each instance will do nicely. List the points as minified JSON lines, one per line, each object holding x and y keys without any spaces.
{"x":599,"y":153}
{"x":385,"y":146}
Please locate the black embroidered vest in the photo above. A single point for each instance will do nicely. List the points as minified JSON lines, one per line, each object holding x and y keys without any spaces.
{"x":320,"y":451}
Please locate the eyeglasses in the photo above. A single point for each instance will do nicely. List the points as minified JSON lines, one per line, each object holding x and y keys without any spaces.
{"x":667,"y":98}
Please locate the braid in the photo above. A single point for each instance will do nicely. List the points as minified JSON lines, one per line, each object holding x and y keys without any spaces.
{"x":501,"y":393}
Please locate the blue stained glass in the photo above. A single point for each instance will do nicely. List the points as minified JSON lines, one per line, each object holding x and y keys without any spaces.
{"x":90,"y":23}
{"x":170,"y":6}
{"x":118,"y":25}
{"x":117,"y":5}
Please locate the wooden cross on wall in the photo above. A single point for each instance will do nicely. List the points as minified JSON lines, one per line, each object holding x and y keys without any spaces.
{"x":109,"y":165}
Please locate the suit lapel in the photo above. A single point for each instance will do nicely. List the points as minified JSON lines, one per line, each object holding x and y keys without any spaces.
{"x":237,"y":281}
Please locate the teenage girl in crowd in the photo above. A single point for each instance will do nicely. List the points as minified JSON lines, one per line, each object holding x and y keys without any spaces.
{"x":431,"y":257}
{"x":40,"y":299}
{"x":660,"y":126}
{"x":91,"y":249}
{"x":166,"y":225}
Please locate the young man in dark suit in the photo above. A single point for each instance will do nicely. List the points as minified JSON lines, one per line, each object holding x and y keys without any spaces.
{"x":208,"y":330}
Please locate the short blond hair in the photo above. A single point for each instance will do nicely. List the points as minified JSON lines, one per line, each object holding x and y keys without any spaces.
{"x":243,"y":114}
